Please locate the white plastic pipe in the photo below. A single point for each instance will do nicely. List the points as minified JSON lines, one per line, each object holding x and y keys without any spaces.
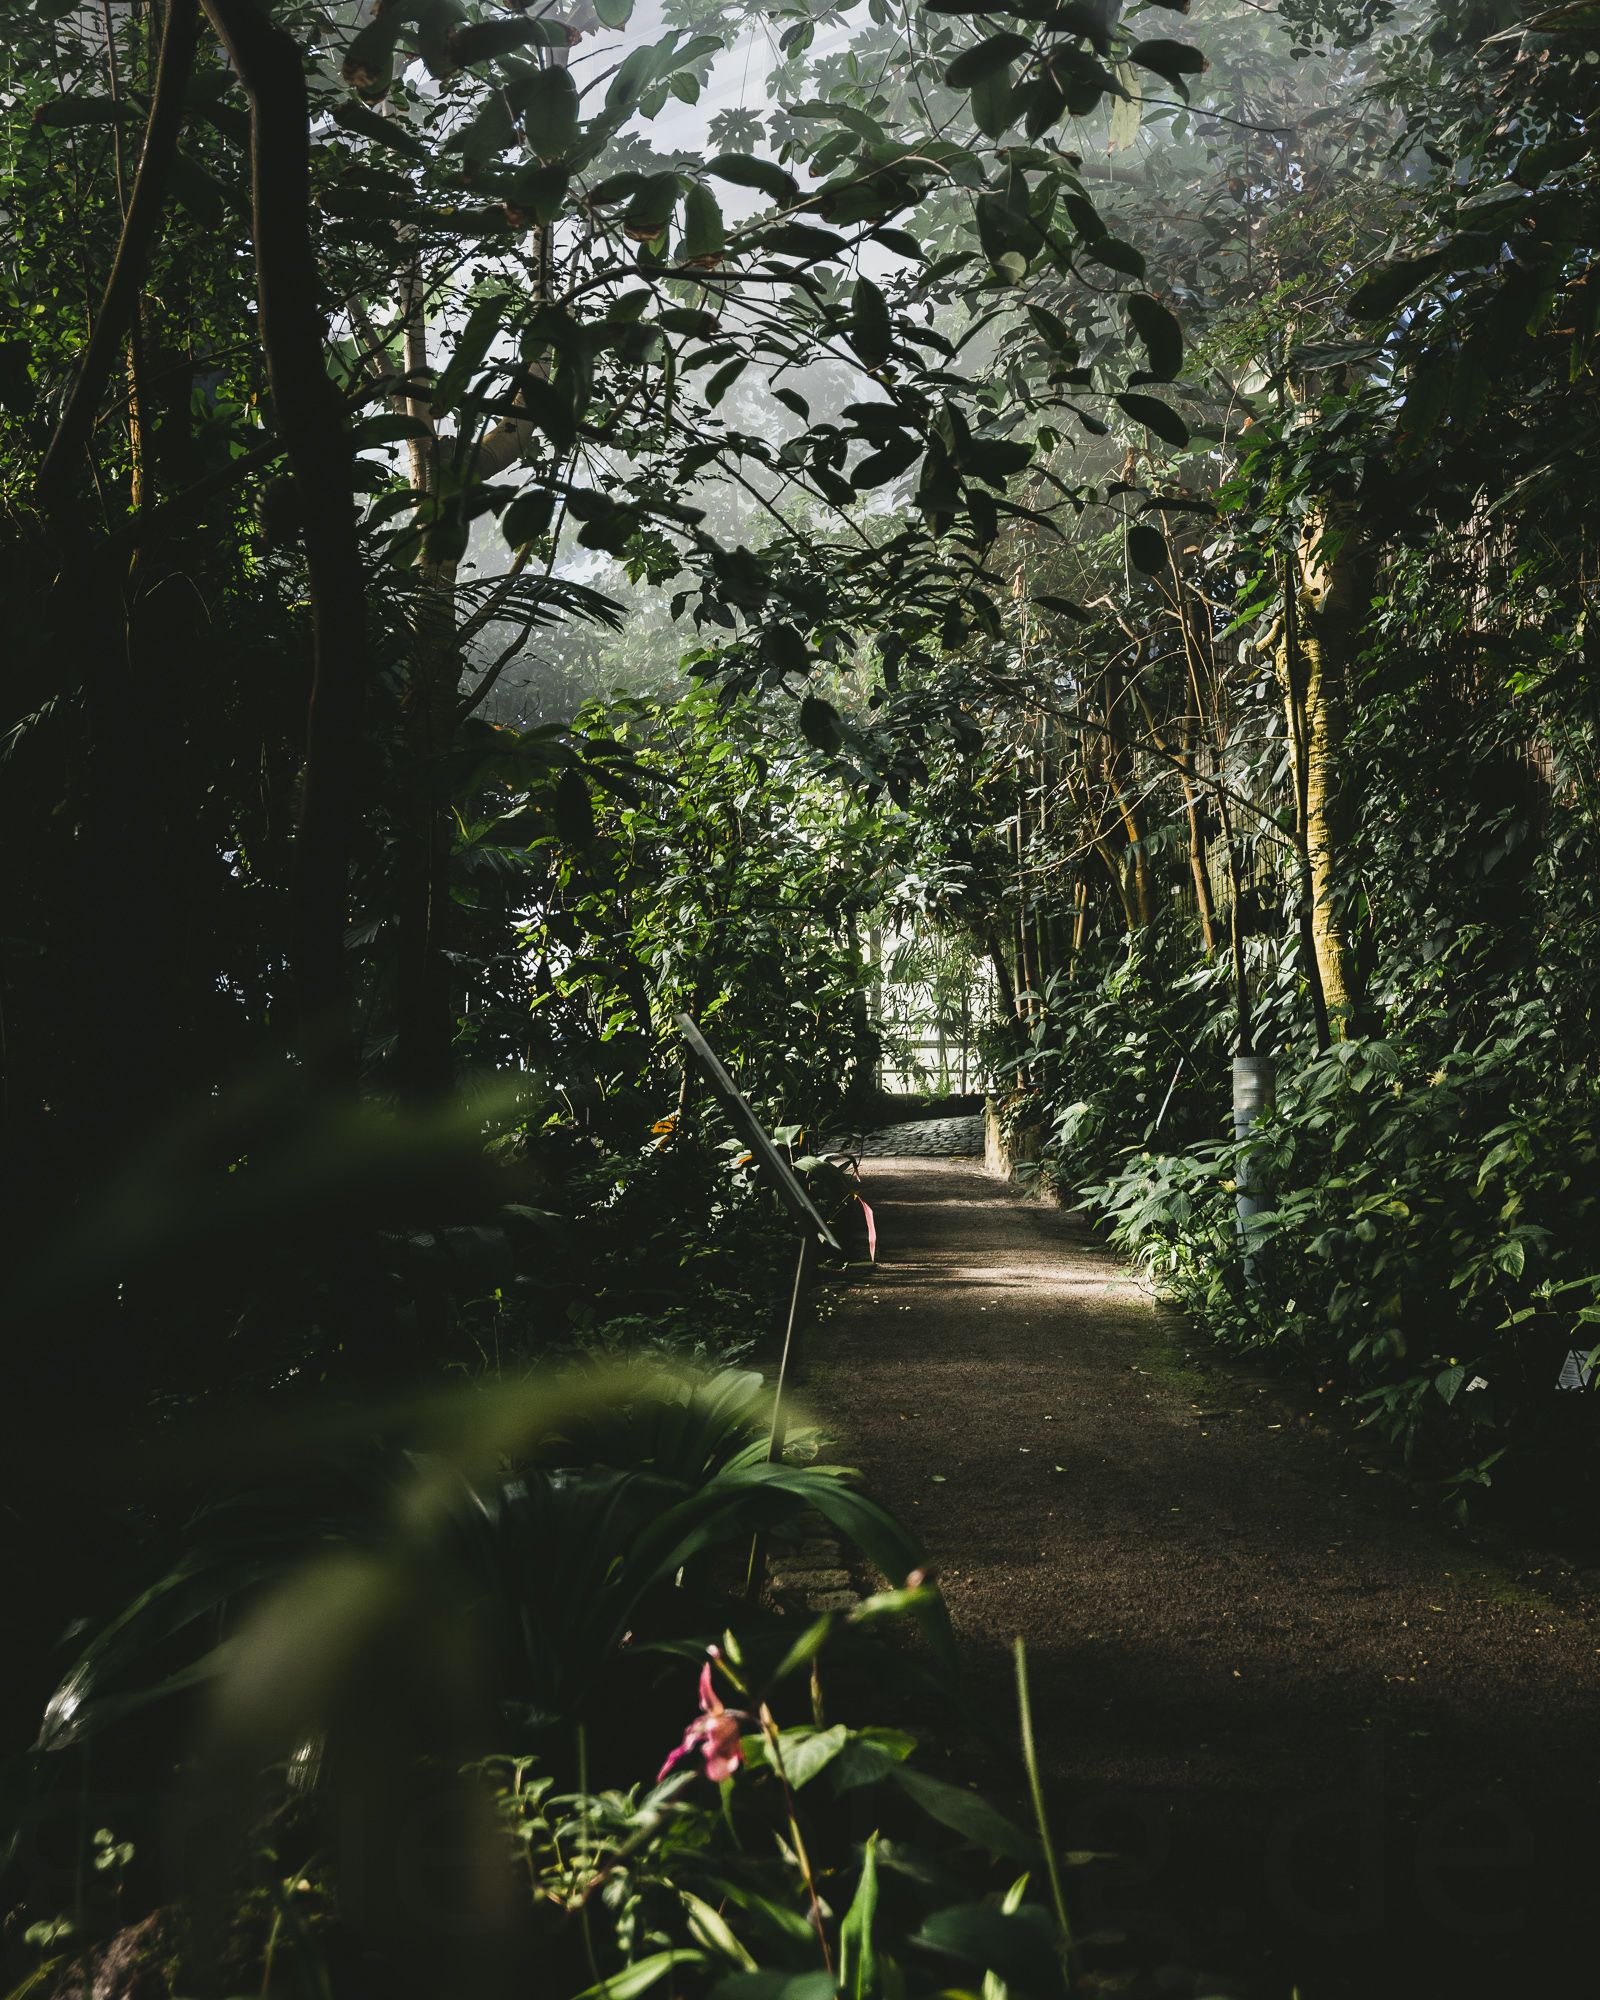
{"x":1254,"y":1084}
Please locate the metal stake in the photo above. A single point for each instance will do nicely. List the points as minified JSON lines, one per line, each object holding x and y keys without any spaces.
{"x":805,"y":1263}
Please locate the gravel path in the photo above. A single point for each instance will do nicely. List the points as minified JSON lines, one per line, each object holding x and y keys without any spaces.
{"x":923,"y":1139}
{"x":1331,"y":1740}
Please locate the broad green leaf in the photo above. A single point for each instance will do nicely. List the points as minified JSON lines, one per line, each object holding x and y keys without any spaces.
{"x":635,"y":74}
{"x":1045,"y":101}
{"x":887,"y":463}
{"x":639,"y":1977}
{"x":1510,"y":1257}
{"x":390,"y":429}
{"x":808,"y":1752}
{"x":391,"y":132}
{"x":712,"y":1929}
{"x":483,"y":323}
{"x":1392,"y":285}
{"x":1155,"y":415}
{"x":705,"y":238}
{"x":991,"y":102}
{"x":1172,"y":60}
{"x":996,"y":459}
{"x":1052,"y":330}
{"x":869,"y":1757}
{"x":994,"y":1987}
{"x":871,"y":331}
{"x":786,"y":649}
{"x":974,"y":64}
{"x":527,"y":518}
{"x":368,"y":63}
{"x":725,"y":377}
{"x":820,"y":723}
{"x":537,"y":193}
{"x":490,"y":130}
{"x":444,"y":48}
{"x":893,"y":1603}
{"x":1115,"y":254}
{"x":858,"y":1972}
{"x":651,"y":209}
{"x":806,"y":1648}
{"x":1147,"y":548}
{"x":1064,"y":605}
{"x":616,"y":187}
{"x":803,"y":239}
{"x":1125,"y":111}
{"x":574,"y":809}
{"x":64,"y":113}
{"x":967,"y":1814}
{"x":1160,"y":332}
{"x":745,"y":170}
{"x":772,"y":1985}
{"x":550,"y":113}
{"x":1017,"y":1946}
{"x":547,"y":410}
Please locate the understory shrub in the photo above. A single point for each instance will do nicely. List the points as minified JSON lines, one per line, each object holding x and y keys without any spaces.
{"x":437,"y":1713}
{"x":1426,"y":1241}
{"x":776,"y":1852}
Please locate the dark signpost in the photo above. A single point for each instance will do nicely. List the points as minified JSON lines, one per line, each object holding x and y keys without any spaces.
{"x":813,"y":1229}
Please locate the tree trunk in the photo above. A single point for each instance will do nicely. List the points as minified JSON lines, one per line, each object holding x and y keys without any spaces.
{"x":137,"y":240}
{"x":1140,"y":905}
{"x":425,"y":1025}
{"x":1327,"y":594}
{"x":1197,"y":846}
{"x":1244,"y":1044}
{"x":310,"y":415}
{"x":425,"y":1031}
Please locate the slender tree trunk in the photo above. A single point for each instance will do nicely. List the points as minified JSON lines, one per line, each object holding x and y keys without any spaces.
{"x":1141,"y":905}
{"x":1131,"y":919}
{"x":1047,"y":950}
{"x":1026,"y":1002}
{"x":1183,"y":762}
{"x":126,"y":1054}
{"x":1245,"y":1043}
{"x":1197,"y":846}
{"x":1327,"y":589}
{"x":137,"y":240}
{"x":310,"y":415}
{"x":426,"y":1018}
{"x":426,"y":1022}
{"x":1005,"y":985}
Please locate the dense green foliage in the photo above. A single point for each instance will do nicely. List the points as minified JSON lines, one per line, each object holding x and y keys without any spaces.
{"x":1317,"y":778}
{"x":351,"y":359}
{"x":503,"y":544}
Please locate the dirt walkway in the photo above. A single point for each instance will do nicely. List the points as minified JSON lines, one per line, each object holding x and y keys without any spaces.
{"x":1331,"y":1741}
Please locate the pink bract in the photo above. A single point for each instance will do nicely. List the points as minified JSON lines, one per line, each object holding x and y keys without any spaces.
{"x":713,"y":1735}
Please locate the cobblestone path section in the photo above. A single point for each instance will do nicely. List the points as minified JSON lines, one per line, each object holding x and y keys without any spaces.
{"x":920,"y":1139}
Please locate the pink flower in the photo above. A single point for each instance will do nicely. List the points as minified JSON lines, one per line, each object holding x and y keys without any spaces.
{"x":714,"y":1735}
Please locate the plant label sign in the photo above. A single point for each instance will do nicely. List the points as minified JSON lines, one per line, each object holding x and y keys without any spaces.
{"x":750,"y":1130}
